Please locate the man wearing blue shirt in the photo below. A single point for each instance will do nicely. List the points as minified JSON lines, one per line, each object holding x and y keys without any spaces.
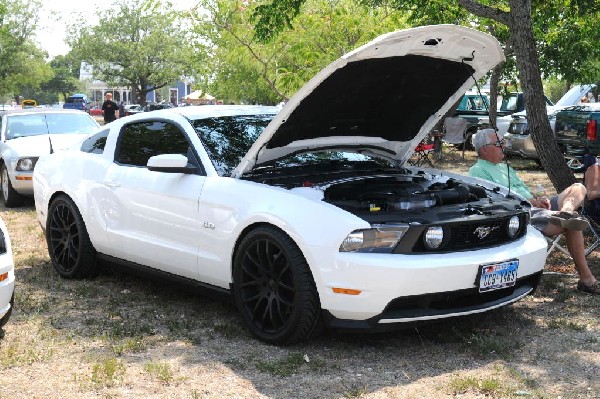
{"x":550,"y":216}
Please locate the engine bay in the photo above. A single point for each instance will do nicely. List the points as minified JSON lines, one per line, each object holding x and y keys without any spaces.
{"x":400,"y":195}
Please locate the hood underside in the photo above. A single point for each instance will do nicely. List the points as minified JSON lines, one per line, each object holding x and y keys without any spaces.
{"x":382,"y":98}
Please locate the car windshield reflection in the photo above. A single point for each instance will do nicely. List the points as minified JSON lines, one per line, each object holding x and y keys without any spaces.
{"x":40,"y":124}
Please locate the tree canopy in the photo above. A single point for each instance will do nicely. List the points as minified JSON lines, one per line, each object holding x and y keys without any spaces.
{"x":142,"y":44}
{"x":239,"y":68}
{"x":21,"y":62}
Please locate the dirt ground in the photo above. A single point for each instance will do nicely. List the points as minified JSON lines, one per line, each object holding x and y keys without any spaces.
{"x":120,"y":336}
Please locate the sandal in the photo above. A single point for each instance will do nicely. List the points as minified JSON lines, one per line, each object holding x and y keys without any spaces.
{"x":568,"y":220}
{"x":593,"y":289}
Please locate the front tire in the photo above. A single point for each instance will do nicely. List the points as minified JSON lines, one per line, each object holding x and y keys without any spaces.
{"x":71,"y":251}
{"x":10,"y":197}
{"x":274,"y":289}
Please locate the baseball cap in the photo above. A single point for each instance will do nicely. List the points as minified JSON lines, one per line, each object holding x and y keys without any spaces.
{"x":483,"y":137}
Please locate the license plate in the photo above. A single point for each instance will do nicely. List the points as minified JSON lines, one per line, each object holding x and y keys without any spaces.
{"x":495,"y":276}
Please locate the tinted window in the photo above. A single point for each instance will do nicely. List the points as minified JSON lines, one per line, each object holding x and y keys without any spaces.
{"x":140,"y":141}
{"x":228,"y":139}
{"x":95,"y":144}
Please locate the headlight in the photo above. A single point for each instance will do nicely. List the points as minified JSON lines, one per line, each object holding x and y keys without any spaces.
{"x":26,"y":164}
{"x":379,"y":238}
{"x":434,"y":236}
{"x":514,"y":225}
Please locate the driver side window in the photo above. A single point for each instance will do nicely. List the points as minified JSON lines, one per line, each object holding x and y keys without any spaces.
{"x":140,"y":141}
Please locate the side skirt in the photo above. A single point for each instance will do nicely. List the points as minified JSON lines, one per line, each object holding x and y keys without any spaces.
{"x":207,"y":290}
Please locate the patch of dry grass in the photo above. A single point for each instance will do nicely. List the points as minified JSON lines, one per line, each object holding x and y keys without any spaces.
{"x":119,"y":336}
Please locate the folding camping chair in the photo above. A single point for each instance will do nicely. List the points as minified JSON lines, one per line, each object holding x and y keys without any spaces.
{"x":591,"y":236}
{"x":421,"y":154}
{"x":455,"y":134}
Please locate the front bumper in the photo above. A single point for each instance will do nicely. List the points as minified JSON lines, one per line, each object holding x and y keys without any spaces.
{"x":7,"y":288}
{"x":409,"y":288}
{"x":22,"y":183}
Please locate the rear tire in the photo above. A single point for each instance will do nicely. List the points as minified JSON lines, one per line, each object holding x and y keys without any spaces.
{"x":10,"y":197}
{"x":274,"y":289}
{"x":71,"y":251}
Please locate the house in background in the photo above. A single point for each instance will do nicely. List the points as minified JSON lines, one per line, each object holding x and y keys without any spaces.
{"x":96,"y":89}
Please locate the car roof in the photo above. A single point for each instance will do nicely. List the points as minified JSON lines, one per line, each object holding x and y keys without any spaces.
{"x":207,"y":111}
{"x":25,"y":111}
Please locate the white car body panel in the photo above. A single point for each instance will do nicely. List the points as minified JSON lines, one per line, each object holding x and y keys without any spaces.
{"x":7,"y":286}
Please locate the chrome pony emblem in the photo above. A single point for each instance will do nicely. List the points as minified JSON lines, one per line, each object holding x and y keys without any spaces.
{"x":484,"y":231}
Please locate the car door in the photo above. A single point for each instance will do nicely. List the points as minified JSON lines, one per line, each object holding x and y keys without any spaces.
{"x":153,"y":215}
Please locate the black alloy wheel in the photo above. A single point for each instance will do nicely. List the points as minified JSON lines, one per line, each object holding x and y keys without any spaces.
{"x":274,"y":289}
{"x":69,"y":246}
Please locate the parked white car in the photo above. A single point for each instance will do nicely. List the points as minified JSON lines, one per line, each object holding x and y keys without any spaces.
{"x":7,"y":276}
{"x":306,"y":215}
{"x":27,"y":134}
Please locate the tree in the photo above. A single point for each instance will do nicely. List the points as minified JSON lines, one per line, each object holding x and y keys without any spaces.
{"x":516,"y":16}
{"x":21,"y":62}
{"x":142,"y":44}
{"x":66,"y":76}
{"x":242,"y":69}
{"x":522,"y":39}
{"x":62,"y":80}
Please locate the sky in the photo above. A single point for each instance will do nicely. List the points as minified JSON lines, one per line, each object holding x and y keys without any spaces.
{"x":55,"y":15}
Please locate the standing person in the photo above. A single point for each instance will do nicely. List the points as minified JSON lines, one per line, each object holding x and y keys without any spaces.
{"x":109,"y":108}
{"x":550,"y":216}
{"x":121,"y":109}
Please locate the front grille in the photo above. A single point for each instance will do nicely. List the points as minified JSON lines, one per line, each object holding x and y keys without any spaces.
{"x":471,"y":235}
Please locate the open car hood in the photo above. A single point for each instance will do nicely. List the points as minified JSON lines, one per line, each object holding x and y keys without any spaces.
{"x":382,"y":98}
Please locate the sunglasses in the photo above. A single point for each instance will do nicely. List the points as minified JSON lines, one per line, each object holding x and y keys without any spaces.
{"x":497,"y":143}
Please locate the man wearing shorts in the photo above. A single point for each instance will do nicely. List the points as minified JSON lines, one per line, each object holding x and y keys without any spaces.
{"x":550,"y":216}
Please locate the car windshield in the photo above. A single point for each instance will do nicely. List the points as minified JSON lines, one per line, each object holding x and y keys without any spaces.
{"x":227,"y":139}
{"x":39,"y":124}
{"x":473,"y":102}
{"x":72,"y":100}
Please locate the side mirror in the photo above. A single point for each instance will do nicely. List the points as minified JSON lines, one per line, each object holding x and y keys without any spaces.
{"x":170,"y":163}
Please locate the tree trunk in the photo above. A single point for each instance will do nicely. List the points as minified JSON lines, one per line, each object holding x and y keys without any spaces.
{"x":527,"y":59}
{"x":495,"y":78}
{"x":522,"y":40}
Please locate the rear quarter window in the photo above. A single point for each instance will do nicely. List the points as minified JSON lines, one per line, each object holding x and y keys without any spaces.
{"x":95,"y":144}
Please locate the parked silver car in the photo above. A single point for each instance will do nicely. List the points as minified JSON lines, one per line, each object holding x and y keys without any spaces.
{"x":518,"y":140}
{"x":27,"y":134}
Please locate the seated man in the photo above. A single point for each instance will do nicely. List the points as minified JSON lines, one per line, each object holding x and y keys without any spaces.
{"x":551,"y":217}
